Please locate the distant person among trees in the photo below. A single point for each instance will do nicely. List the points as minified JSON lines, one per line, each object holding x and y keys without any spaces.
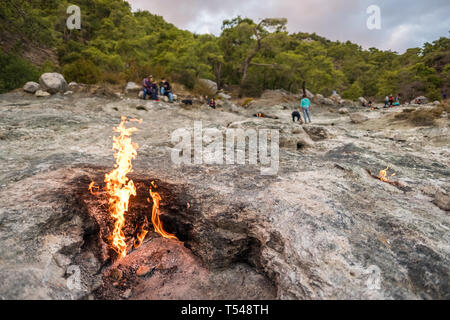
{"x":166,"y":89}
{"x":305,"y":104}
{"x":212,"y":103}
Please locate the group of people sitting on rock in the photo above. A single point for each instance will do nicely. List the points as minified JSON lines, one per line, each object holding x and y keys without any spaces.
{"x":391,"y":101}
{"x":151,"y":89}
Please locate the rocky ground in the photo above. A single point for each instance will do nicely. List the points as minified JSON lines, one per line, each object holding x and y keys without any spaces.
{"x":322,"y":228}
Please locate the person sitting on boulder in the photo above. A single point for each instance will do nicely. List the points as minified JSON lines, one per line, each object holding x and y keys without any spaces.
{"x":147,"y":86}
{"x":155,"y":91}
{"x":166,"y":89}
{"x":305,"y":104}
{"x":391,"y":100}
{"x":212,"y":103}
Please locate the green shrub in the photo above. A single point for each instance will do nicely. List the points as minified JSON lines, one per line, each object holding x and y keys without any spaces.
{"x":15,"y":72}
{"x":354,"y":92}
{"x":83,"y":71}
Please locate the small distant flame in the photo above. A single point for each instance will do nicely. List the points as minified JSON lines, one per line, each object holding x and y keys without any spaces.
{"x":383,"y":175}
{"x":157,"y":224}
{"x":92,"y":186}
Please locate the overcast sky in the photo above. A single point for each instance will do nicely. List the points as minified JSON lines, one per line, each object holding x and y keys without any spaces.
{"x":404,"y":23}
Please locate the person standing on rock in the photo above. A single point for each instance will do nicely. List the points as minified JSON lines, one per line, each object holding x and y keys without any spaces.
{"x":305,"y":104}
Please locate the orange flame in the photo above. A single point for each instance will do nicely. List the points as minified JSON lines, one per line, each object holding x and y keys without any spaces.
{"x":118,"y":187}
{"x":157,"y":224}
{"x":93,"y":186}
{"x":383,"y":175}
{"x":141,"y":235}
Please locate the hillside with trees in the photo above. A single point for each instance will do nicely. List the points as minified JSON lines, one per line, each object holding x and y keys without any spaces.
{"x":116,"y":45}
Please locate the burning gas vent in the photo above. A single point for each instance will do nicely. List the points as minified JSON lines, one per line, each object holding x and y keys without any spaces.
{"x":119,"y":189}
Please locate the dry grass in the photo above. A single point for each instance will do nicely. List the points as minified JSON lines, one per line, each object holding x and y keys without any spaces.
{"x":421,"y":117}
{"x":424,"y":116}
{"x":246,"y":102}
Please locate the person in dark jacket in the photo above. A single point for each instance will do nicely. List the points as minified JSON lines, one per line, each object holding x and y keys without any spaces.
{"x":166,"y":89}
{"x":212,"y":103}
{"x":147,"y":86}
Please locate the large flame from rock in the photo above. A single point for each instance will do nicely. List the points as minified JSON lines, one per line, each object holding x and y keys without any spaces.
{"x":157,"y":224}
{"x":119,"y":187}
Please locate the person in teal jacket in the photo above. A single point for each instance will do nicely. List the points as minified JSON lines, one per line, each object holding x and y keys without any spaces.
{"x":305,"y":104}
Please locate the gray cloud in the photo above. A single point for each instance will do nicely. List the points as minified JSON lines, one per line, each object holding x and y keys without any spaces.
{"x":405,"y":23}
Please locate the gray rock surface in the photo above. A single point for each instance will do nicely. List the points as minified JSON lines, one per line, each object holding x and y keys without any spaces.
{"x":322,"y":228}
{"x":132,"y":87}
{"x":212,"y":85}
{"x":362,"y":101}
{"x":343,"y":111}
{"x":41,"y":93}
{"x":358,"y":118}
{"x":442,"y":200}
{"x":53,"y":83}
{"x":31,"y":87}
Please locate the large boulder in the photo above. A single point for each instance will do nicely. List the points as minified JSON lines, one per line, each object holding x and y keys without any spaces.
{"x":132,"y":87}
{"x":31,"y":87}
{"x":318,"y":98}
{"x":343,"y":111}
{"x":309,"y":94}
{"x":328,"y":102}
{"x":212,"y":85}
{"x":53,"y":83}
{"x":224,"y":96}
{"x":362,"y":101}
{"x":335,"y":98}
{"x":358,"y":118}
{"x":420,"y":100}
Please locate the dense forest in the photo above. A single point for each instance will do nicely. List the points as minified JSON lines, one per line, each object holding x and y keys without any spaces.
{"x":116,"y":45}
